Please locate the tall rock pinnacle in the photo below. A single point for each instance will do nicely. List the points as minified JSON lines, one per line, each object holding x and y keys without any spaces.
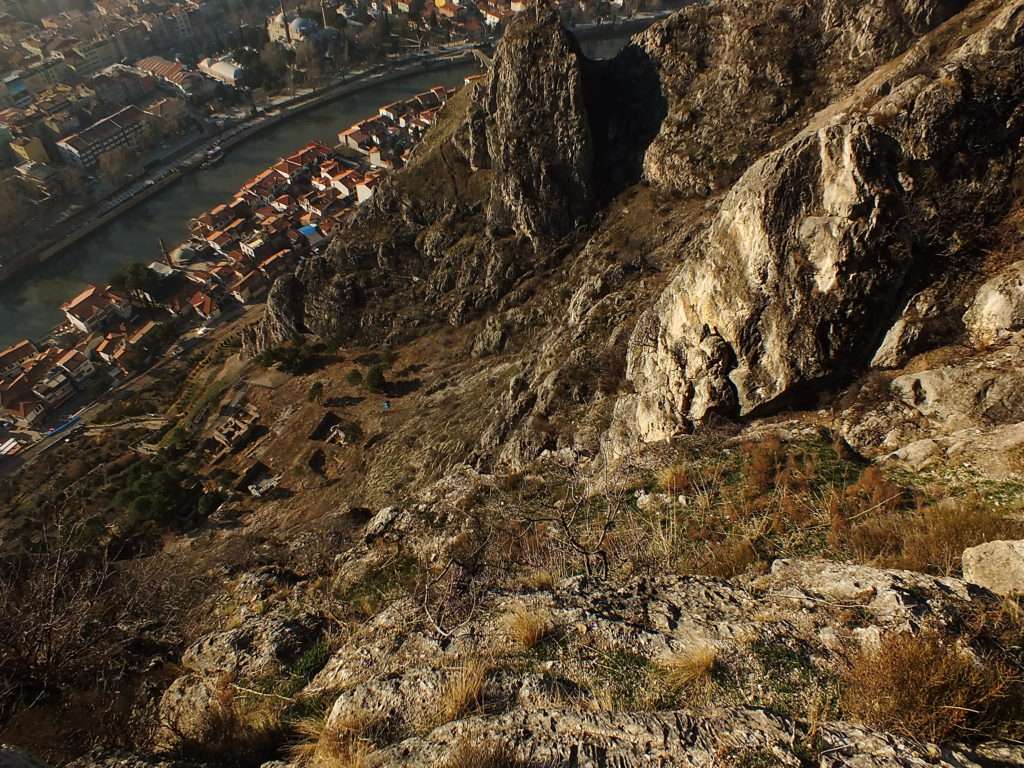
{"x":538,"y":132}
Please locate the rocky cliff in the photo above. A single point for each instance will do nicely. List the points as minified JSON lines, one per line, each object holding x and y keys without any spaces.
{"x":818,"y":245}
{"x":704,"y":433}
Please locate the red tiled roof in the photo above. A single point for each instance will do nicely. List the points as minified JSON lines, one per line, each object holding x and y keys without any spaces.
{"x":16,"y":352}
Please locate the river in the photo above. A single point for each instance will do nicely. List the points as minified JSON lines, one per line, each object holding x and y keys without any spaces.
{"x":30,"y":302}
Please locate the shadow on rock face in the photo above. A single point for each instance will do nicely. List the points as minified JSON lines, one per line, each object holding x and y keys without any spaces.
{"x":627,"y":107}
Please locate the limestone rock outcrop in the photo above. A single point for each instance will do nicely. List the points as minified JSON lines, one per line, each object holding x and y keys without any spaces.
{"x":998,"y":309}
{"x":571,"y":737}
{"x":796,"y":279}
{"x":967,"y":407}
{"x":283,"y":320}
{"x":740,"y":78}
{"x":256,"y":647}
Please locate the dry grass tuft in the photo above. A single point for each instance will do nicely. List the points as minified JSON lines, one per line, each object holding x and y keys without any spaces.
{"x":728,"y":558}
{"x":462,"y":695}
{"x":925,"y":688}
{"x":675,"y":479}
{"x":482,"y":754}
{"x":344,"y":743}
{"x":525,"y":626}
{"x":540,"y":579}
{"x":238,"y":731}
{"x":689,"y":667}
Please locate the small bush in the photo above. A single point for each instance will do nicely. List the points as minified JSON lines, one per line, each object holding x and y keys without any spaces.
{"x":762,"y":462}
{"x":925,"y":688}
{"x":674,"y":479}
{"x":540,"y":579}
{"x":729,"y":558}
{"x":375,"y":381}
{"x":354,"y":377}
{"x":527,"y":628}
{"x":935,"y":544}
{"x":932,"y":539}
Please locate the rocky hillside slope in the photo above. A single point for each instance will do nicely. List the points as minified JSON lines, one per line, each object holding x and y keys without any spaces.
{"x":708,"y":436}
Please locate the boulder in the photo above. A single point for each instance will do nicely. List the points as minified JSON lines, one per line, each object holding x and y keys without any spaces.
{"x":188,"y":708}
{"x":263,"y":644}
{"x":925,"y":320}
{"x":998,"y":309}
{"x":381,"y":522}
{"x":996,"y":565}
{"x":968,"y":409}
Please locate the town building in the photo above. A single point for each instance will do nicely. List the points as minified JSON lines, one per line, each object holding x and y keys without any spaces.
{"x":54,"y":388}
{"x":290,"y":29}
{"x":76,"y":365}
{"x":128,"y":128}
{"x":94,"y":55}
{"x":174,"y":76}
{"x":19,"y":402}
{"x":44,"y":74}
{"x":12,"y":357}
{"x":250,"y":288}
{"x":224,"y":69}
{"x":90,"y":309}
{"x":30,"y":149}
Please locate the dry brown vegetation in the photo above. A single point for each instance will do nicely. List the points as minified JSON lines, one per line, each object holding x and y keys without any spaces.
{"x":726,"y":510}
{"x":340,"y":742}
{"x":927,"y":688}
{"x":462,"y":695}
{"x":930,"y":539}
{"x":525,"y":626}
{"x":692,"y":665}
{"x":472,"y":753}
{"x":238,"y":731}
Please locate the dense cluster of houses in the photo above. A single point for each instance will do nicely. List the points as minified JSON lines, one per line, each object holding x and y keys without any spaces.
{"x":105,"y":334}
{"x":235,"y":252}
{"x":387,"y":138}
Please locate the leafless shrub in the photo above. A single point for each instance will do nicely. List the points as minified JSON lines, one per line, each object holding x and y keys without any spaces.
{"x":66,"y":613}
{"x":925,"y":687}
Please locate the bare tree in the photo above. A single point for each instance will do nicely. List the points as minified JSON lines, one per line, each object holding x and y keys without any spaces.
{"x":68,"y":614}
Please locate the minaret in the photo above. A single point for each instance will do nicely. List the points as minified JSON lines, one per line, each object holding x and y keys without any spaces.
{"x":284,"y":20}
{"x":323,"y":11}
{"x":166,"y":255}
